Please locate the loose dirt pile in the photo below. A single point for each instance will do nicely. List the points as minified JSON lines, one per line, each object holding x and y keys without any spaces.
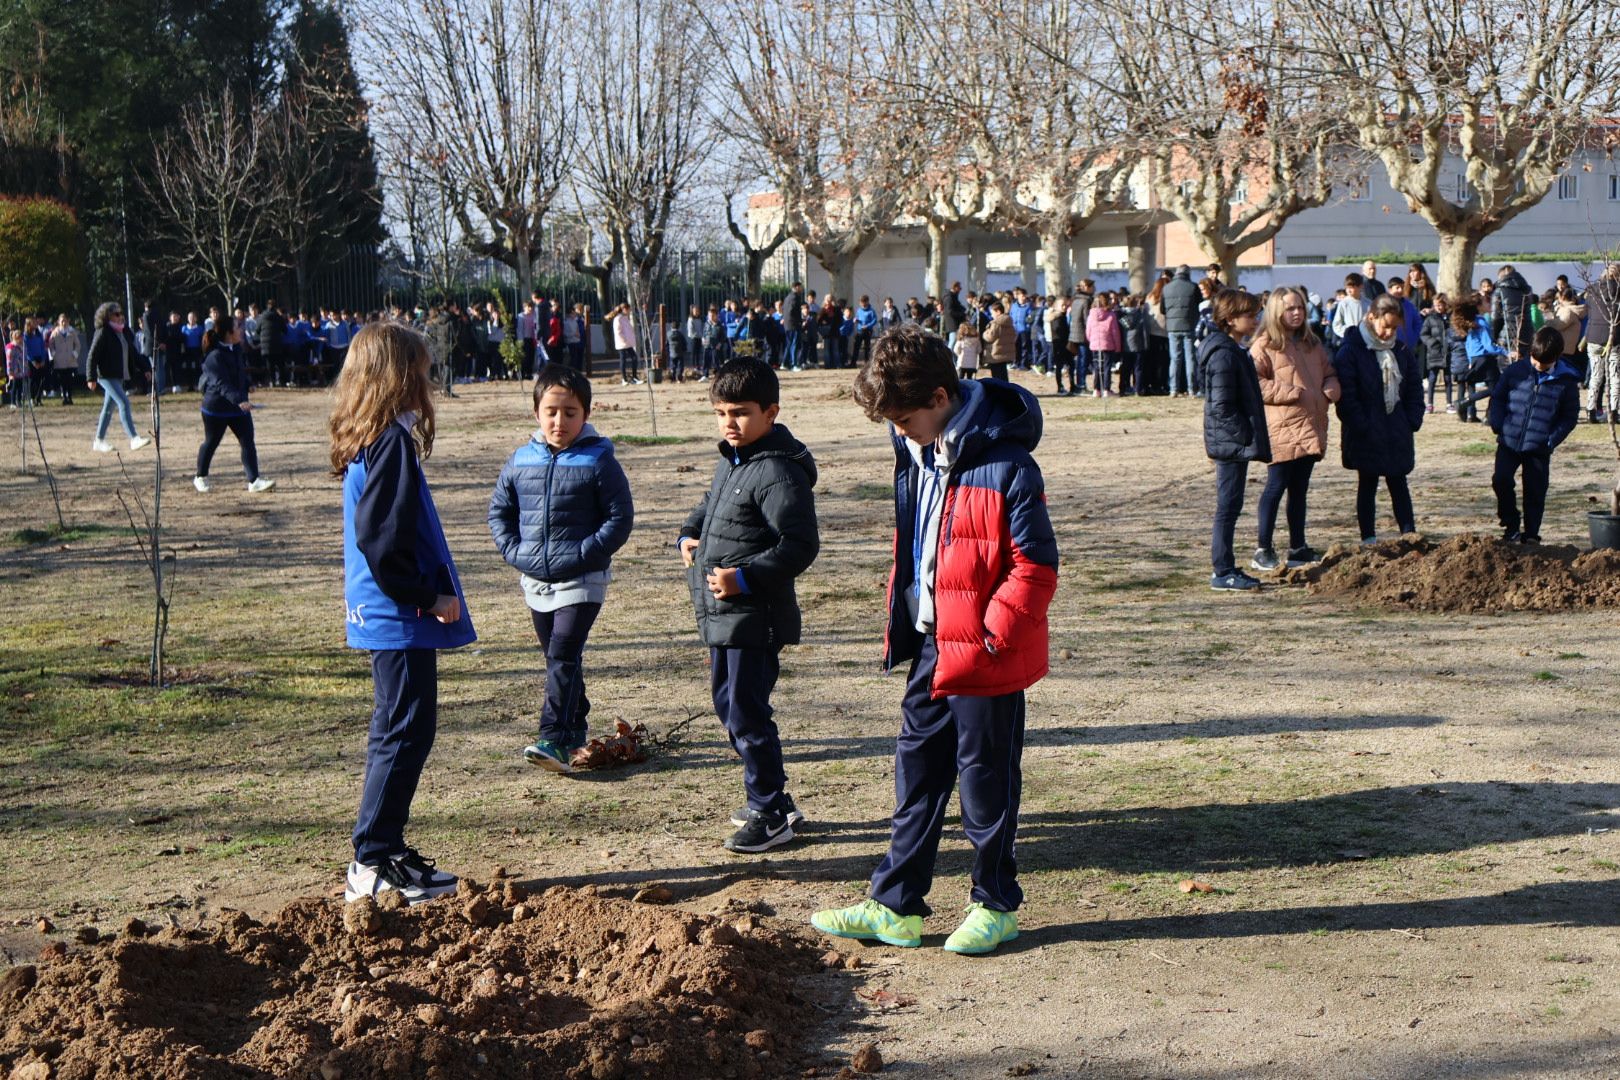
{"x":489,"y":983}
{"x":1466,"y":573}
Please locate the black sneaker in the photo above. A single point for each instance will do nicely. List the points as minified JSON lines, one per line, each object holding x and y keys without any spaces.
{"x":1265,"y":559}
{"x":1510,"y":536}
{"x":763,"y":832}
{"x":1303,"y":556}
{"x":739,"y":816}
{"x":1236,"y":579}
{"x":1530,"y":538}
{"x":421,"y":872}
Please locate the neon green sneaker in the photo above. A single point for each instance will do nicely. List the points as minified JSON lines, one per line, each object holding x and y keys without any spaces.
{"x":870,"y":921}
{"x":982,"y":931}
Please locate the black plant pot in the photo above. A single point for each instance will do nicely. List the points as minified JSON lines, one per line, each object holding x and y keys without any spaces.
{"x":1605,"y":529}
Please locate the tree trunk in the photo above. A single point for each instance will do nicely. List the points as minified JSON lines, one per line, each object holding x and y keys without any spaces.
{"x":840,"y":273}
{"x":1458,"y":250}
{"x":755,"y":276}
{"x":1055,"y":261}
{"x":939,"y":236}
{"x":525,"y":273}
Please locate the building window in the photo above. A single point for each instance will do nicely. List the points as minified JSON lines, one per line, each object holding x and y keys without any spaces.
{"x":1569,"y":186}
{"x":1189,"y":188}
{"x":1306,"y":260}
{"x":1240,"y":192}
{"x":1465,"y":190}
{"x":1358,"y":189}
{"x":1614,"y":187}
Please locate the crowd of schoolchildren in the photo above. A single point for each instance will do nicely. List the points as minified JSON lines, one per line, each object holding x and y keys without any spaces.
{"x":967,"y":617}
{"x":1377,"y":354}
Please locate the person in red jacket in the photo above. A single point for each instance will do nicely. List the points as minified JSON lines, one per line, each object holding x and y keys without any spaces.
{"x":975,"y":567}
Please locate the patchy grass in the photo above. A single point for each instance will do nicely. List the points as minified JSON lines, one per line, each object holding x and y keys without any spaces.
{"x":55,"y":535}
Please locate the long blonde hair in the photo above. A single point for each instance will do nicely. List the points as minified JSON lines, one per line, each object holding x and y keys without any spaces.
{"x":1272,"y":328}
{"x":384,"y":376}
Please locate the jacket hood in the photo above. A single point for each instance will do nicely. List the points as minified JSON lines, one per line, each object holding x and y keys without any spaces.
{"x":991,"y":411}
{"x":1563,"y":369}
{"x":588,"y":436}
{"x":777,"y":442}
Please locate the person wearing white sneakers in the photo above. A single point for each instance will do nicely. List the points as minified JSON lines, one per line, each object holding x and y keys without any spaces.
{"x":225,"y":404}
{"x":114,"y":357}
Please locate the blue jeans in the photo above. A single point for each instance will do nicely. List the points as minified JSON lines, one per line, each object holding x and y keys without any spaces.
{"x":1230,"y":478}
{"x":790,"y":359}
{"x":1183,"y":361}
{"x":114,"y":396}
{"x":980,"y":740}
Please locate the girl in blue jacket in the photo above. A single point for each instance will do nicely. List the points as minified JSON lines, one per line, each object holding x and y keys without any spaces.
{"x":401,"y":590}
{"x":225,"y":405}
{"x":1475,"y":357}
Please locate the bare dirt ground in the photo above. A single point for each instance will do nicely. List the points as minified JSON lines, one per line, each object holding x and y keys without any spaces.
{"x":1411,"y":820}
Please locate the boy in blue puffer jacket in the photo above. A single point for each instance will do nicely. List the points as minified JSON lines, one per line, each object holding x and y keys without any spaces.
{"x":1535,"y":406}
{"x":561,"y":508}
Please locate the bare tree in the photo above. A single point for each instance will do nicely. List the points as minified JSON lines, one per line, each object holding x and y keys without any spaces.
{"x":755,"y":255}
{"x":818,"y":129}
{"x":643,"y":131}
{"x":213,"y":194}
{"x":1506,"y":89}
{"x":303,"y":182}
{"x":1239,"y":135}
{"x":417,"y":202}
{"x":486,"y":85}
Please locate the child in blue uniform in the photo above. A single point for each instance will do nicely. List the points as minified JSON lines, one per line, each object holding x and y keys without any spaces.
{"x":400,"y":588}
{"x":561,"y":509}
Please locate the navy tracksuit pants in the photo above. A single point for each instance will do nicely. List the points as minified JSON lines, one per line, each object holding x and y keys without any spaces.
{"x":562,"y":635}
{"x":742,"y":681}
{"x":982,"y":740}
{"x":404,"y":719}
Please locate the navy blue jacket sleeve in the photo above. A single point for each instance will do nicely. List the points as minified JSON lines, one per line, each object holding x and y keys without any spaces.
{"x":386,"y":518}
{"x":616,"y":509}
{"x":1499,"y":401}
{"x":503,"y":518}
{"x":1569,"y":412}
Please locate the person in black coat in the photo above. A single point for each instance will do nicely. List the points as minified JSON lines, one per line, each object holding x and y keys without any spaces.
{"x":1380,"y":408}
{"x":113,"y":360}
{"x":1235,"y":431}
{"x":225,"y":405}
{"x":272,"y":344}
{"x":1534,"y":407}
{"x":1510,"y":312}
{"x":1434,"y":346}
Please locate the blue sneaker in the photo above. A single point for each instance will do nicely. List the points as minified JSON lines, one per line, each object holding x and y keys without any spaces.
{"x":551,"y":756}
{"x":1235,"y":579}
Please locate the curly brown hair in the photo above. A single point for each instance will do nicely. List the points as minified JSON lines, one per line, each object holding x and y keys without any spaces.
{"x":908,"y":365}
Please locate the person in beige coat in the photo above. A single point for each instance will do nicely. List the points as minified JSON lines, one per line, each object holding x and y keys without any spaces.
{"x":1000,"y":341}
{"x":1564,"y":314}
{"x":1298,"y":384}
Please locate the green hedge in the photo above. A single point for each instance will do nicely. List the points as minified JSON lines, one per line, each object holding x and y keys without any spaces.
{"x":41,"y":267}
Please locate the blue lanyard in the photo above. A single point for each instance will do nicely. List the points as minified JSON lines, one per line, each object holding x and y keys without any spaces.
{"x":929,"y":499}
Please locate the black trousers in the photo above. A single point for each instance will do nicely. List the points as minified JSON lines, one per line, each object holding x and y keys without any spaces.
{"x":741,"y":681}
{"x":1292,"y":478}
{"x":404,"y":721}
{"x":214,"y":429}
{"x":1537,"y":468}
{"x":1400,"y":498}
{"x":562,"y":634}
{"x":980,"y":740}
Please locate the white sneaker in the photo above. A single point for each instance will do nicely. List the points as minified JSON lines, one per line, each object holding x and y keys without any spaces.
{"x":201,"y":484}
{"x":101,"y":446}
{"x":263,"y":483}
{"x":139,"y":441}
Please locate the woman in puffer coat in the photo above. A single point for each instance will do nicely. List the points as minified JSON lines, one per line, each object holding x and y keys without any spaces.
{"x":1380,"y":408}
{"x":1298,"y":383}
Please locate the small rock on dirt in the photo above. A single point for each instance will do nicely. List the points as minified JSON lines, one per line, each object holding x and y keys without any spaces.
{"x":760,"y":1039}
{"x":478,"y":911}
{"x":654,"y":894}
{"x":34,"y":1070}
{"x":867,"y":1059}
{"x":136,"y":928}
{"x":392,"y":900}
{"x":45,"y":926}
{"x":87,"y":935}
{"x":432,"y":1015}
{"x":361,"y":917}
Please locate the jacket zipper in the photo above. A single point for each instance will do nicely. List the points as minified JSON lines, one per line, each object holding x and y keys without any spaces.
{"x":545,"y":525}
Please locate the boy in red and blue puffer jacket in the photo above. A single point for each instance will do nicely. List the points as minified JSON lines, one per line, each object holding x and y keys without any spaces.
{"x":975,"y":567}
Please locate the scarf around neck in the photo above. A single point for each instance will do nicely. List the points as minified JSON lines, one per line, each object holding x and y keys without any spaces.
{"x":1388,"y":368}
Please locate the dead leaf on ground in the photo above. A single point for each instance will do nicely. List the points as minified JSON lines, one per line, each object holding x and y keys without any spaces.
{"x":1188,"y":885}
{"x":886,"y":999}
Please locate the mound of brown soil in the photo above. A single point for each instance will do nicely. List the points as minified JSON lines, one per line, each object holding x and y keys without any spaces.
{"x":489,"y":983}
{"x":1467,"y":573}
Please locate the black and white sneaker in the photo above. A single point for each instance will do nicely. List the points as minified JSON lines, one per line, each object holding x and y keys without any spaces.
{"x":1303,"y":556}
{"x":763,"y":832}
{"x":1233,"y":580}
{"x":373,"y":881}
{"x":424,"y":874}
{"x":1265,"y":560}
{"x":739,"y":816}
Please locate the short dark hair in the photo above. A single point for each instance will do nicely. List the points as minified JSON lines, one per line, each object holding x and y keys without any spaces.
{"x":1229,"y":305}
{"x":1548,"y":345}
{"x":908,"y":365}
{"x":743,"y":380}
{"x":568,"y":378}
{"x":1353,"y":278}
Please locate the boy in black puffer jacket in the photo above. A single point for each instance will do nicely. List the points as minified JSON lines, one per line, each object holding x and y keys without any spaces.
{"x":753,"y":533}
{"x":560,"y":510}
{"x":1536,"y":404}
